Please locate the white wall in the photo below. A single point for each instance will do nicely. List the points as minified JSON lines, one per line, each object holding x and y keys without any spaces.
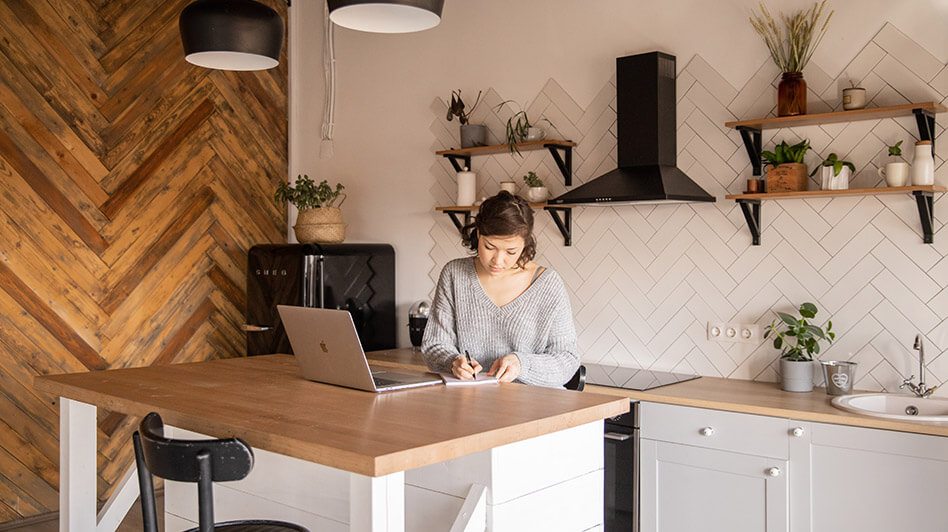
{"x":552,"y":54}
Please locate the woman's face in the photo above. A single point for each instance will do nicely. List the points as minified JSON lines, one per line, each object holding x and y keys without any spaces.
{"x":498,"y":254}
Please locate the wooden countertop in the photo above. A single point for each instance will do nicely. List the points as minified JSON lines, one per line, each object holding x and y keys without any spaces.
{"x":264,"y":401}
{"x":735,"y":395}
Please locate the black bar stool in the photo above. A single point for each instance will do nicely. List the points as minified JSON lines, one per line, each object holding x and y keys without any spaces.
{"x":578,"y":381}
{"x":200,"y":461}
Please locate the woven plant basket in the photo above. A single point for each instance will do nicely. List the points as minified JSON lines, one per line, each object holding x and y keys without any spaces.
{"x":323,"y":225}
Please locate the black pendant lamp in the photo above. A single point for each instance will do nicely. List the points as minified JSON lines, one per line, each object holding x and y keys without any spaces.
{"x":231,"y":34}
{"x":381,"y":16}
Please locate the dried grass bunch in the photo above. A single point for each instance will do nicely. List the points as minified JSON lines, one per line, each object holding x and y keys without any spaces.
{"x":792,"y":43}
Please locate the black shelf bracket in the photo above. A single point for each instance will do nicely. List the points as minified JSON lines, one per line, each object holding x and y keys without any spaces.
{"x":751,"y":209}
{"x":752,"y":142}
{"x":564,"y":224}
{"x":565,"y":163}
{"x":454,"y":161}
{"x":926,"y":125}
{"x":926,"y":213}
{"x":457,"y":222}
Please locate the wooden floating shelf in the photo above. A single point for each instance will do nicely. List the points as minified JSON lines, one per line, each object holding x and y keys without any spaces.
{"x":562,"y":217}
{"x":501,"y":148}
{"x":874,"y":113}
{"x":469,"y":208}
{"x":832,"y":193}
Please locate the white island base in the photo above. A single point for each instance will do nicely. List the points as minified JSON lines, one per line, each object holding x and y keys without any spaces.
{"x":551,"y":482}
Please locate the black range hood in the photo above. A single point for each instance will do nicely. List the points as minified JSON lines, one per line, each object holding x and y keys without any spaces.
{"x":646,"y":136}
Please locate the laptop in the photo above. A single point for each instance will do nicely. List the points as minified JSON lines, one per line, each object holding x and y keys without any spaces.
{"x":327,"y":348}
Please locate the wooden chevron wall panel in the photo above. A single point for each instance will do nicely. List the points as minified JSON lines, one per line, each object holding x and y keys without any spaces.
{"x":133,"y":184}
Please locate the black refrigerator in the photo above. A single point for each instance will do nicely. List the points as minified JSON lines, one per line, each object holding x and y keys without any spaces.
{"x":359,"y":278}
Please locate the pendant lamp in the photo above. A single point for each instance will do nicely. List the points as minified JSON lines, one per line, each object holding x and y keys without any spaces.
{"x":231,"y":34}
{"x":392,"y":16}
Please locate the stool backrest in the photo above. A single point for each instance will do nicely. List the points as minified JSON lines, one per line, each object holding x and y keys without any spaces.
{"x":578,"y":381}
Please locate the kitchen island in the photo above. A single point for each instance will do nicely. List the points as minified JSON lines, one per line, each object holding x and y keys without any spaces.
{"x":492,"y":451}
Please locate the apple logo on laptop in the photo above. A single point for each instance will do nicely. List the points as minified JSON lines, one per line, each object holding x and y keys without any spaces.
{"x":322,"y":345}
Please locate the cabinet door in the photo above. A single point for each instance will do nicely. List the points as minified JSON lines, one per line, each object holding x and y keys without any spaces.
{"x":686,"y":489}
{"x":869,"y":480}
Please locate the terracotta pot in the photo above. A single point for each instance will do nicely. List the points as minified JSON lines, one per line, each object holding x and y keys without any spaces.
{"x":791,"y":94}
{"x":789,"y":177}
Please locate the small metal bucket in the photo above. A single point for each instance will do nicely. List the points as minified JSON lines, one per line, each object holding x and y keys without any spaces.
{"x":839,"y":376}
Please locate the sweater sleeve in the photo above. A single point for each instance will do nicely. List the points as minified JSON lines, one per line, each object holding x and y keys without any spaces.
{"x":558,"y":362}
{"x":439,"y":344}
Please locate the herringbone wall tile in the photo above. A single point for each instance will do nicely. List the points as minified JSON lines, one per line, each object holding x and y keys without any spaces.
{"x":645,"y":280}
{"x":132,"y":186}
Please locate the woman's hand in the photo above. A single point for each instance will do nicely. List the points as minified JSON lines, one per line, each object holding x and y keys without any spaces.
{"x":464,"y":371}
{"x":506,"y":368}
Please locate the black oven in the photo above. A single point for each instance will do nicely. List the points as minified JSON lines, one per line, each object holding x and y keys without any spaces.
{"x":621,"y":472}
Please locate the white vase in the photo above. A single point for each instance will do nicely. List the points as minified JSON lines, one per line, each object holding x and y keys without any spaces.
{"x":537,"y":194}
{"x":467,"y":188}
{"x":796,"y":376}
{"x":895,"y":174}
{"x":828,"y":181}
{"x":923,"y":165}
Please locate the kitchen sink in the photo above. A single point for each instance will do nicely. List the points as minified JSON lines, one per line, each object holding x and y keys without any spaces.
{"x":895,"y":406}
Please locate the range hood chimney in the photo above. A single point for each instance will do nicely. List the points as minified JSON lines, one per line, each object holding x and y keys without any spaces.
{"x":647,"y":143}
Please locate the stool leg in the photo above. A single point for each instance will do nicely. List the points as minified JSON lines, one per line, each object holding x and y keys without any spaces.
{"x":77,"y":466}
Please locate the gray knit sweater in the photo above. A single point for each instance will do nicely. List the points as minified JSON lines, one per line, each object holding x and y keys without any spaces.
{"x":537,"y":326}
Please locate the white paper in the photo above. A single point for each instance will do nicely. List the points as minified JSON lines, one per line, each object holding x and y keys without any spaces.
{"x":451,"y":380}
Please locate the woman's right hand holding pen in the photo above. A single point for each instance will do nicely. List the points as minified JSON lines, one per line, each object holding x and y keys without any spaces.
{"x":465,"y":367}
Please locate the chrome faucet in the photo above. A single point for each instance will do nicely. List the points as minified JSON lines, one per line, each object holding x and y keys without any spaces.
{"x":919,"y":389}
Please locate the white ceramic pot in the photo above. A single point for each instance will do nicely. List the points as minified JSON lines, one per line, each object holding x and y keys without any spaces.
{"x":467,"y":188}
{"x":854,"y":98}
{"x":895,"y":174}
{"x":509,"y":186}
{"x":923,"y":165}
{"x":829,"y":181}
{"x":537,"y":194}
{"x":796,"y":376}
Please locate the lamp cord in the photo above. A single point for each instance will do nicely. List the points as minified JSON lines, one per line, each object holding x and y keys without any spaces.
{"x":329,"y":67}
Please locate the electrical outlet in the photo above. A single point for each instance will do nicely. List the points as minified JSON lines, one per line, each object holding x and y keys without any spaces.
{"x":734,"y":332}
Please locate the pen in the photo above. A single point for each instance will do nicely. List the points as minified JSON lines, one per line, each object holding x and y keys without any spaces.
{"x":467,"y":357}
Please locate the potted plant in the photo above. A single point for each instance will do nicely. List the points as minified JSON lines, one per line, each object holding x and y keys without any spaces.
{"x":319,"y":218}
{"x":471,"y":134}
{"x":791,"y":43}
{"x":536,"y":193}
{"x":895,"y":172}
{"x":854,"y":97}
{"x":520,"y":129}
{"x":834,"y":173}
{"x":796,"y":360}
{"x":786,"y":170}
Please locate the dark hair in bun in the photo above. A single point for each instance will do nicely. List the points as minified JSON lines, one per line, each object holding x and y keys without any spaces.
{"x":503,"y":215}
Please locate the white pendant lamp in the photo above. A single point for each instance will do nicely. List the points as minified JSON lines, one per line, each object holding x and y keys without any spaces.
{"x":231,"y":34}
{"x":393,"y":16}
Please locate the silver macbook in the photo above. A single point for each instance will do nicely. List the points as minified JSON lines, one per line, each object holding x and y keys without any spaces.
{"x":327,"y":348}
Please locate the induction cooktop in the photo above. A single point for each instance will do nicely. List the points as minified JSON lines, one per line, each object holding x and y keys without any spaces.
{"x":632,"y":378}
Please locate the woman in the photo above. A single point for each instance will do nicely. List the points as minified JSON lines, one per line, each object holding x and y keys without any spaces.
{"x":507,"y":312}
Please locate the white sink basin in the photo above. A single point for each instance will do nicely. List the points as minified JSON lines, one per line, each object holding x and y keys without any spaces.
{"x":895,"y":406}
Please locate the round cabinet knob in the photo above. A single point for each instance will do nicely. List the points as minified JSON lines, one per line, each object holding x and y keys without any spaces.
{"x":707,"y":431}
{"x":798,"y":431}
{"x":773,"y":472}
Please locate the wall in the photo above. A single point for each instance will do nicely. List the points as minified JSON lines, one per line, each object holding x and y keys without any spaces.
{"x":645,"y":281}
{"x":132,"y":185}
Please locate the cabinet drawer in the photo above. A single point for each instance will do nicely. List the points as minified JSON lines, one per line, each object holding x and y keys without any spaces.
{"x":715,"y":429}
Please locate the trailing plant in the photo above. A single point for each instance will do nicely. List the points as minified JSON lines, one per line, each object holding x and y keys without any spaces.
{"x":517,"y":126}
{"x":784,"y":153}
{"x":896,"y":149}
{"x":457,"y":107}
{"x":532,"y":180}
{"x":806,"y":335}
{"x":307,"y":194}
{"x":793,"y":39}
{"x":837,"y":165}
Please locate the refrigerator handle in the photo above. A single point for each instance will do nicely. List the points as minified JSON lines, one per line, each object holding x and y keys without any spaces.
{"x":312,"y":281}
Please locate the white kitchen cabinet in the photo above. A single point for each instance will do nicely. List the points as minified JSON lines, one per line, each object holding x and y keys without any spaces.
{"x":853,"y":478}
{"x":711,"y":470}
{"x":705,"y":469}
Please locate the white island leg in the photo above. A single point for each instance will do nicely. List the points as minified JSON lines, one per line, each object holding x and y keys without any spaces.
{"x":77,"y":466}
{"x":377,"y":504}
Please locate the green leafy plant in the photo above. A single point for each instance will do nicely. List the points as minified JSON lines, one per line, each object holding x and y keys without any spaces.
{"x":457,"y":107}
{"x":307,"y":194}
{"x":806,"y":335}
{"x":517,"y":126}
{"x":793,"y":39}
{"x":896,"y":149}
{"x":532,"y":180}
{"x":837,"y":165}
{"x":784,"y":153}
